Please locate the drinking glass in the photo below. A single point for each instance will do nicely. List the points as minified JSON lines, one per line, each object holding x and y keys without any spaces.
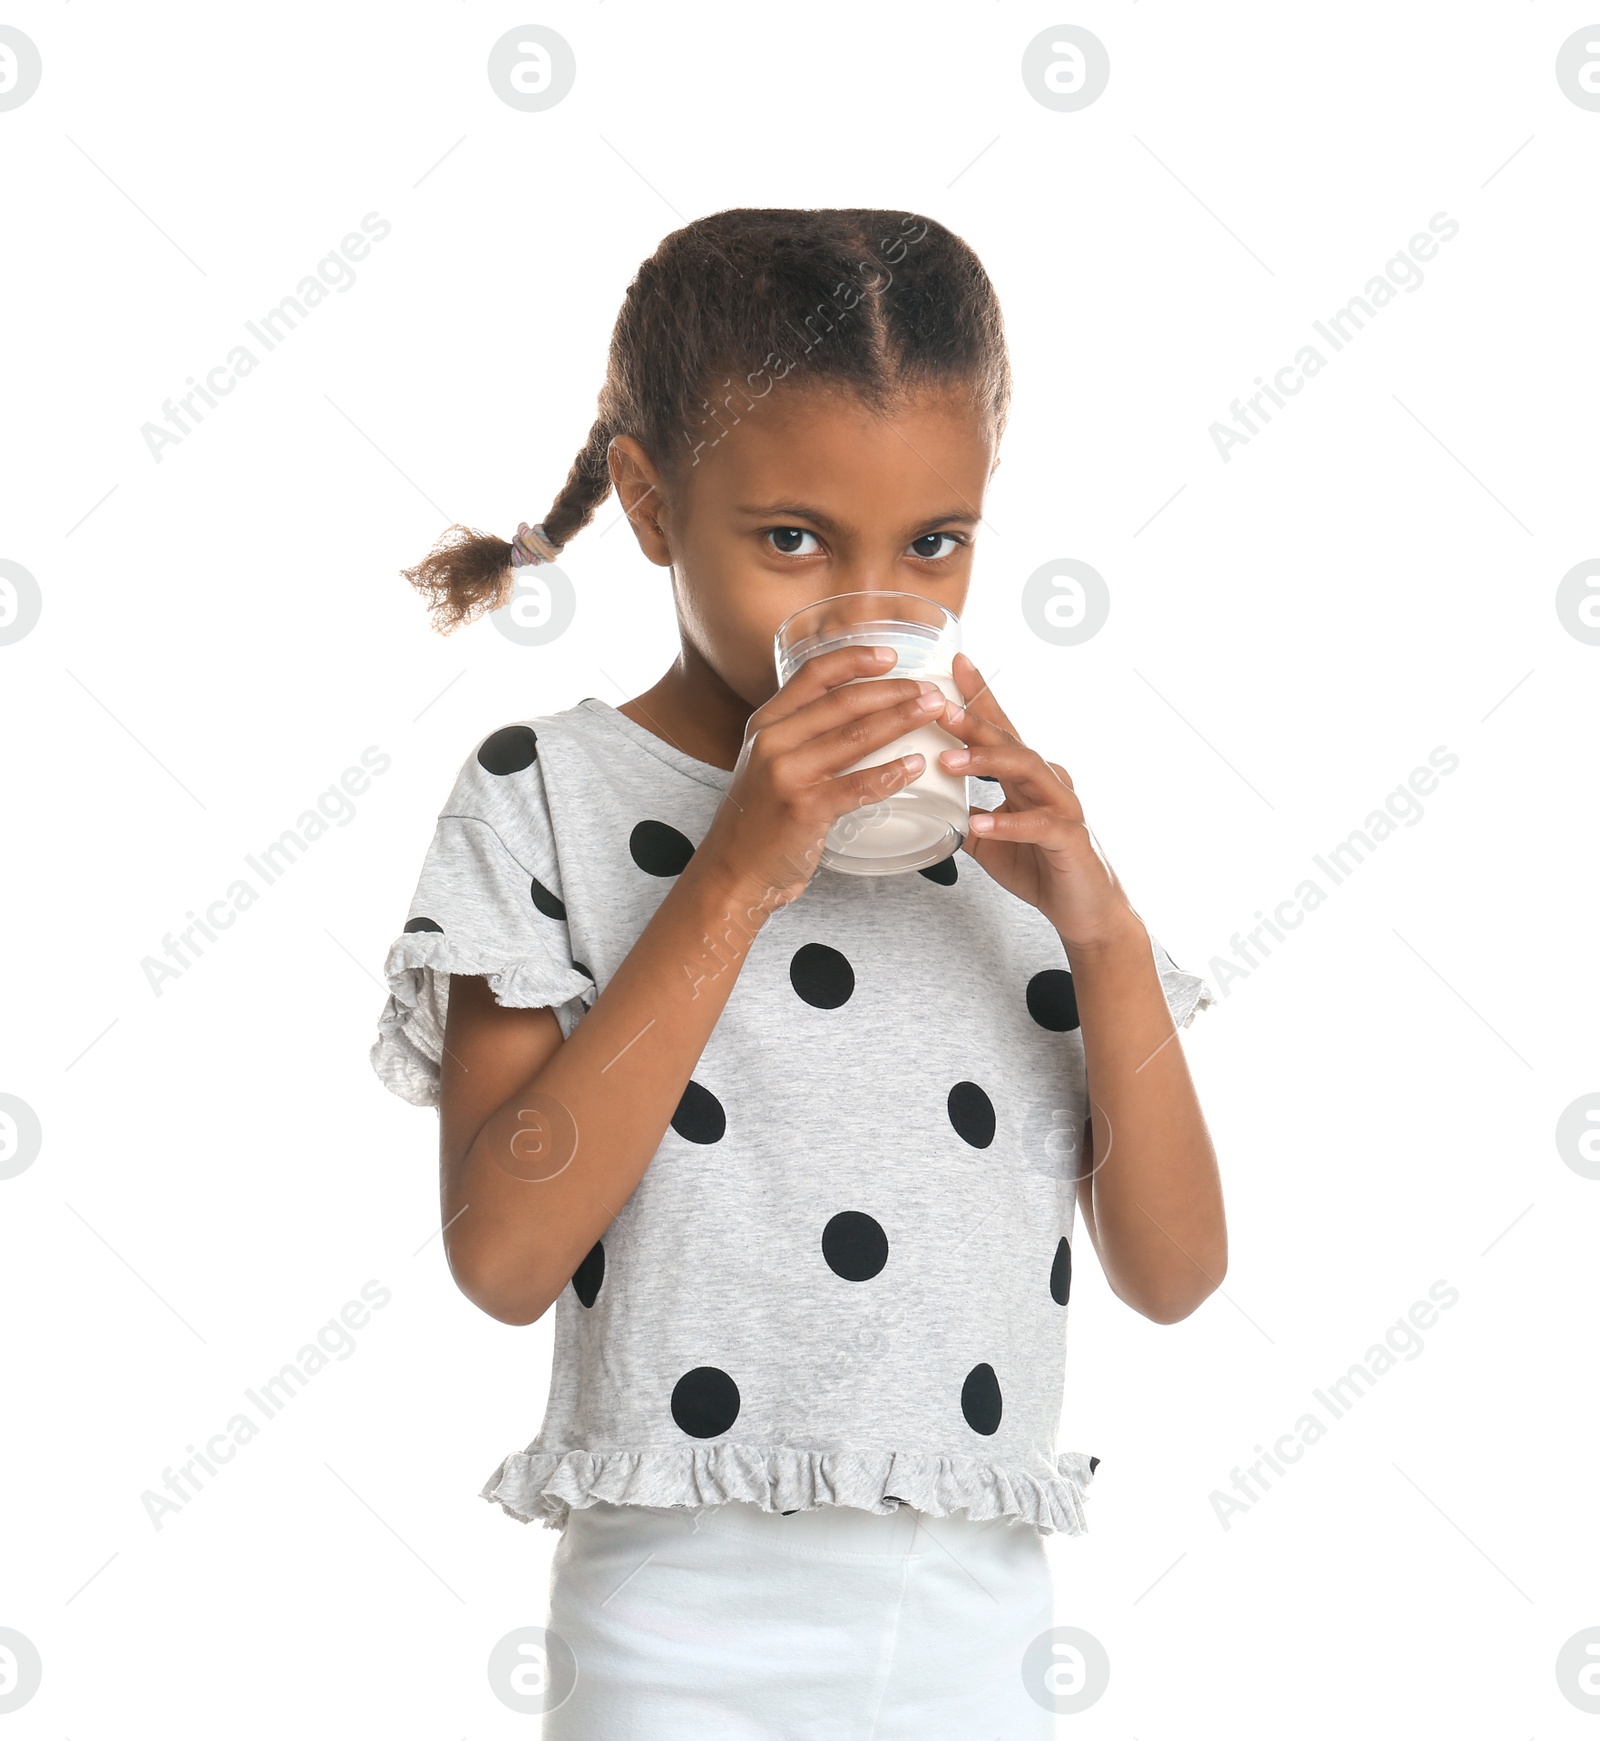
{"x":925,"y":820}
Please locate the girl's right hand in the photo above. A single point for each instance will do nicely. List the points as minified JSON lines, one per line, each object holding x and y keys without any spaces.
{"x":787,"y":788}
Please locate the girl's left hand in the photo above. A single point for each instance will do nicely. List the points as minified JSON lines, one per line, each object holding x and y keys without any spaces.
{"x":1036,"y":844}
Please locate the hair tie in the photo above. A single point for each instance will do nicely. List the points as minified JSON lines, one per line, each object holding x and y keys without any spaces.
{"x":531,"y":545}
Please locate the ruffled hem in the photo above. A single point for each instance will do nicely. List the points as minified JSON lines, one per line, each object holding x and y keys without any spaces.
{"x":545,"y":1486}
{"x":1195,"y":995}
{"x":410,"y":1039}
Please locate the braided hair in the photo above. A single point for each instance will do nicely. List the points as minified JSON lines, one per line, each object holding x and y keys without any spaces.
{"x":877,"y":303}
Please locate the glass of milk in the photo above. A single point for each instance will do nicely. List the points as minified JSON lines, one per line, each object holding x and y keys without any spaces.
{"x":925,"y":820}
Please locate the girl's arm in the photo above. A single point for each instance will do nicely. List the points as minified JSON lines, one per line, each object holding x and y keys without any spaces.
{"x":1151,"y":1197}
{"x":1152,"y":1200}
{"x":542,"y":1141}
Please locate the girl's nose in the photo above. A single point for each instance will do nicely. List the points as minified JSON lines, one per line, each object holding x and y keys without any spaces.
{"x":868,"y":573}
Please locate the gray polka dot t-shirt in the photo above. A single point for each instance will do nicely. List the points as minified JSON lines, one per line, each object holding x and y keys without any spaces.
{"x":844,"y":1277}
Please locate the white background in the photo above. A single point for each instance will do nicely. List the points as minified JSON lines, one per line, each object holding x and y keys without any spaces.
{"x":1291,"y":632}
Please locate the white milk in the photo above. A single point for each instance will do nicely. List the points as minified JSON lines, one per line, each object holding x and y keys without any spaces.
{"x":909,"y":831}
{"x":925,"y":820}
{"x":919,"y":815}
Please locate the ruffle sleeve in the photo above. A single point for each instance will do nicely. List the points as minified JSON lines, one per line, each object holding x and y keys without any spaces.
{"x":1187,"y":993}
{"x":488,"y":902}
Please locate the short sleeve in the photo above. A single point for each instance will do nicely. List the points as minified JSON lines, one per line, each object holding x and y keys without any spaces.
{"x":1187,"y":993}
{"x":489,"y":901}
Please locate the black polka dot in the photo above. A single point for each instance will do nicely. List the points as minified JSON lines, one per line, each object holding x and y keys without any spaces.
{"x":705,"y":1402}
{"x":589,"y":1274}
{"x":895,"y":1497}
{"x":509,"y":750}
{"x":699,"y":1118}
{"x":1094,"y":1463}
{"x":1061,"y":1274}
{"x":1052,"y":1000}
{"x":855,"y":1246}
{"x":659,"y":848}
{"x":791,"y":1513}
{"x":822,"y":976}
{"x":943,"y":872}
{"x":551,"y":905}
{"x":980,"y":1399}
{"x":424,"y":925}
{"x":587,"y":972}
{"x":972,"y":1113}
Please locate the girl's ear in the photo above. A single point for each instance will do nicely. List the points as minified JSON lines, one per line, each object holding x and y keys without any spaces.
{"x":640,"y":491}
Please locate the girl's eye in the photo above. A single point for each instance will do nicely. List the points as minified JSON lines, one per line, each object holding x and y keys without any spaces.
{"x":787,"y":541}
{"x":928,"y":544}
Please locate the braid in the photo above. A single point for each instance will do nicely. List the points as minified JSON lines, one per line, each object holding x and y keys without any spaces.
{"x":587,"y":486}
{"x":877,"y":302}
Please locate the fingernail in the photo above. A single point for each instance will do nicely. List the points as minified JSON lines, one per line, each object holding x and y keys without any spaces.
{"x":983,"y":822}
{"x":957,"y":758}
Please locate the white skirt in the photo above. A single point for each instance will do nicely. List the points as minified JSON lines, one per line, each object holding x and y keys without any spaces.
{"x":730,"y":1623}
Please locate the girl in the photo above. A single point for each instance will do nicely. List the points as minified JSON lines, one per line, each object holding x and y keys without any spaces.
{"x":794,"y":1154}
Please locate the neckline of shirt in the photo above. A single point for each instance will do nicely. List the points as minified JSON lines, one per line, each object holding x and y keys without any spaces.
{"x":705,"y":772}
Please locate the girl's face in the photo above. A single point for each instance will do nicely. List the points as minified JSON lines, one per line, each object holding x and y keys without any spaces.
{"x":807,"y":494}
